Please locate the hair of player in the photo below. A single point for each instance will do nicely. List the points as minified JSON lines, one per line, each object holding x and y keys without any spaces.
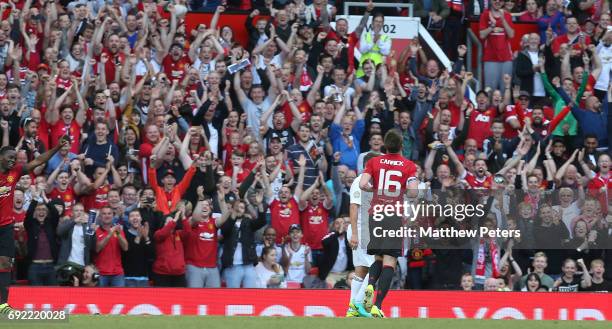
{"x":393,"y":141}
{"x":369,"y":156}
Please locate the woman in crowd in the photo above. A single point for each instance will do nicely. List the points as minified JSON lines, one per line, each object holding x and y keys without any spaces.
{"x":270,"y":274}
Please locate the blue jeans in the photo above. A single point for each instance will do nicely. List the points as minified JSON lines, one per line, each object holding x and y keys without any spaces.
{"x":112,"y":281}
{"x":240,"y":274}
{"x":415,"y":277}
{"x":135,"y":283}
{"x":41,"y":275}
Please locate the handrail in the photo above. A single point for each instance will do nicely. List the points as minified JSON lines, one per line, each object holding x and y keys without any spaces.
{"x":472,"y":38}
{"x":385,"y":5}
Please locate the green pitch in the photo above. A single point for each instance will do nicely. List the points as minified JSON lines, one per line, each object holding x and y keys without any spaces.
{"x":215,"y":322}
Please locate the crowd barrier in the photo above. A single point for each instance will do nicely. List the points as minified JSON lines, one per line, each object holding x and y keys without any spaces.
{"x":321,"y":303}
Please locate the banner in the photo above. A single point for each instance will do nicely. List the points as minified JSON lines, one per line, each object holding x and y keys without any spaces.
{"x":321,"y":303}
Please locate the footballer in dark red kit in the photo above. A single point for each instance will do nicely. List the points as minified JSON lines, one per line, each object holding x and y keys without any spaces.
{"x":390,"y":177}
{"x":9,"y":176}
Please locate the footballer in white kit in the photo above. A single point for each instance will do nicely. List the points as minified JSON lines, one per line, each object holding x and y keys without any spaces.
{"x":360,"y":255}
{"x":359,"y":202}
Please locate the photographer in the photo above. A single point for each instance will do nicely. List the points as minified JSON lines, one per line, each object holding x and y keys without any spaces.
{"x":89,"y":277}
{"x":75,"y":275}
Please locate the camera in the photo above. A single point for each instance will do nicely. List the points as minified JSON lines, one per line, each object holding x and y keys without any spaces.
{"x":66,"y":274}
{"x":338,"y":98}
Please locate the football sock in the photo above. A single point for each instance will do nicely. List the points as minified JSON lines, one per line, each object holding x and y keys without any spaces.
{"x":356,"y":284}
{"x":361,"y":293}
{"x":384,"y":283}
{"x":374,"y":272}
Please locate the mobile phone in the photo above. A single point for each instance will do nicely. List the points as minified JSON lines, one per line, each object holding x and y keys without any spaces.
{"x":90,"y":221}
{"x":239,"y":66}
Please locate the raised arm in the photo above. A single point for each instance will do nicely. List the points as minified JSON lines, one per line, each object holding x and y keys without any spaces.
{"x":316,"y":86}
{"x":585,"y":168}
{"x":263,"y":122}
{"x":44,"y":158}
{"x":300,"y":183}
{"x":225,"y":209}
{"x":428,"y":165}
{"x":297,"y":116}
{"x":242,"y":97}
{"x":81,"y":115}
{"x":533,"y":161}
{"x":453,"y":156}
{"x":364,"y":19}
{"x":561,"y":172}
{"x":215,"y":19}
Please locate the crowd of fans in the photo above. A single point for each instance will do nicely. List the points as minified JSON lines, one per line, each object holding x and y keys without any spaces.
{"x":211,"y":163}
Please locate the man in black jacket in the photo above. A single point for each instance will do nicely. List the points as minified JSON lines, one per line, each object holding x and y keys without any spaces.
{"x":259,"y":33}
{"x":41,"y":223}
{"x":140,"y":250}
{"x":337,"y":257}
{"x":239,"y":256}
{"x":527,"y":66}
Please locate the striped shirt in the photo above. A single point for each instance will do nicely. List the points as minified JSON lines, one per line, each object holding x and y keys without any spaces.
{"x":313,"y":157}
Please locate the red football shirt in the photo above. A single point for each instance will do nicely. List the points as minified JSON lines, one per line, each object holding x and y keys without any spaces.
{"x":98,"y":199}
{"x":59,"y":129}
{"x":390,"y":175}
{"x":574,"y":43}
{"x":283,"y":216}
{"x":201,"y":243}
{"x":175,"y":70}
{"x":477,"y":183}
{"x":455,"y":113}
{"x":110,"y":66}
{"x":496,"y":44}
{"x":68,"y":198}
{"x":600,"y":188}
{"x":480,"y":125}
{"x":8,"y":181}
{"x":18,"y":217}
{"x":108,"y":260}
{"x":63,"y":83}
{"x":509,"y":114}
{"x":315,"y":223}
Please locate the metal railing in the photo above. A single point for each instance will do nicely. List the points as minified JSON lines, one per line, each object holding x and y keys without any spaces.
{"x":384,"y":5}
{"x":472,"y":39}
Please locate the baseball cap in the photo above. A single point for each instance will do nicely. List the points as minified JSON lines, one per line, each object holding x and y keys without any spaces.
{"x":524,"y":93}
{"x":43,"y":66}
{"x":169,"y":172}
{"x":294,"y":227}
{"x":375,"y":120}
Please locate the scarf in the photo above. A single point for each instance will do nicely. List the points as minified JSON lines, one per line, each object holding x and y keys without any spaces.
{"x":481,"y":260}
